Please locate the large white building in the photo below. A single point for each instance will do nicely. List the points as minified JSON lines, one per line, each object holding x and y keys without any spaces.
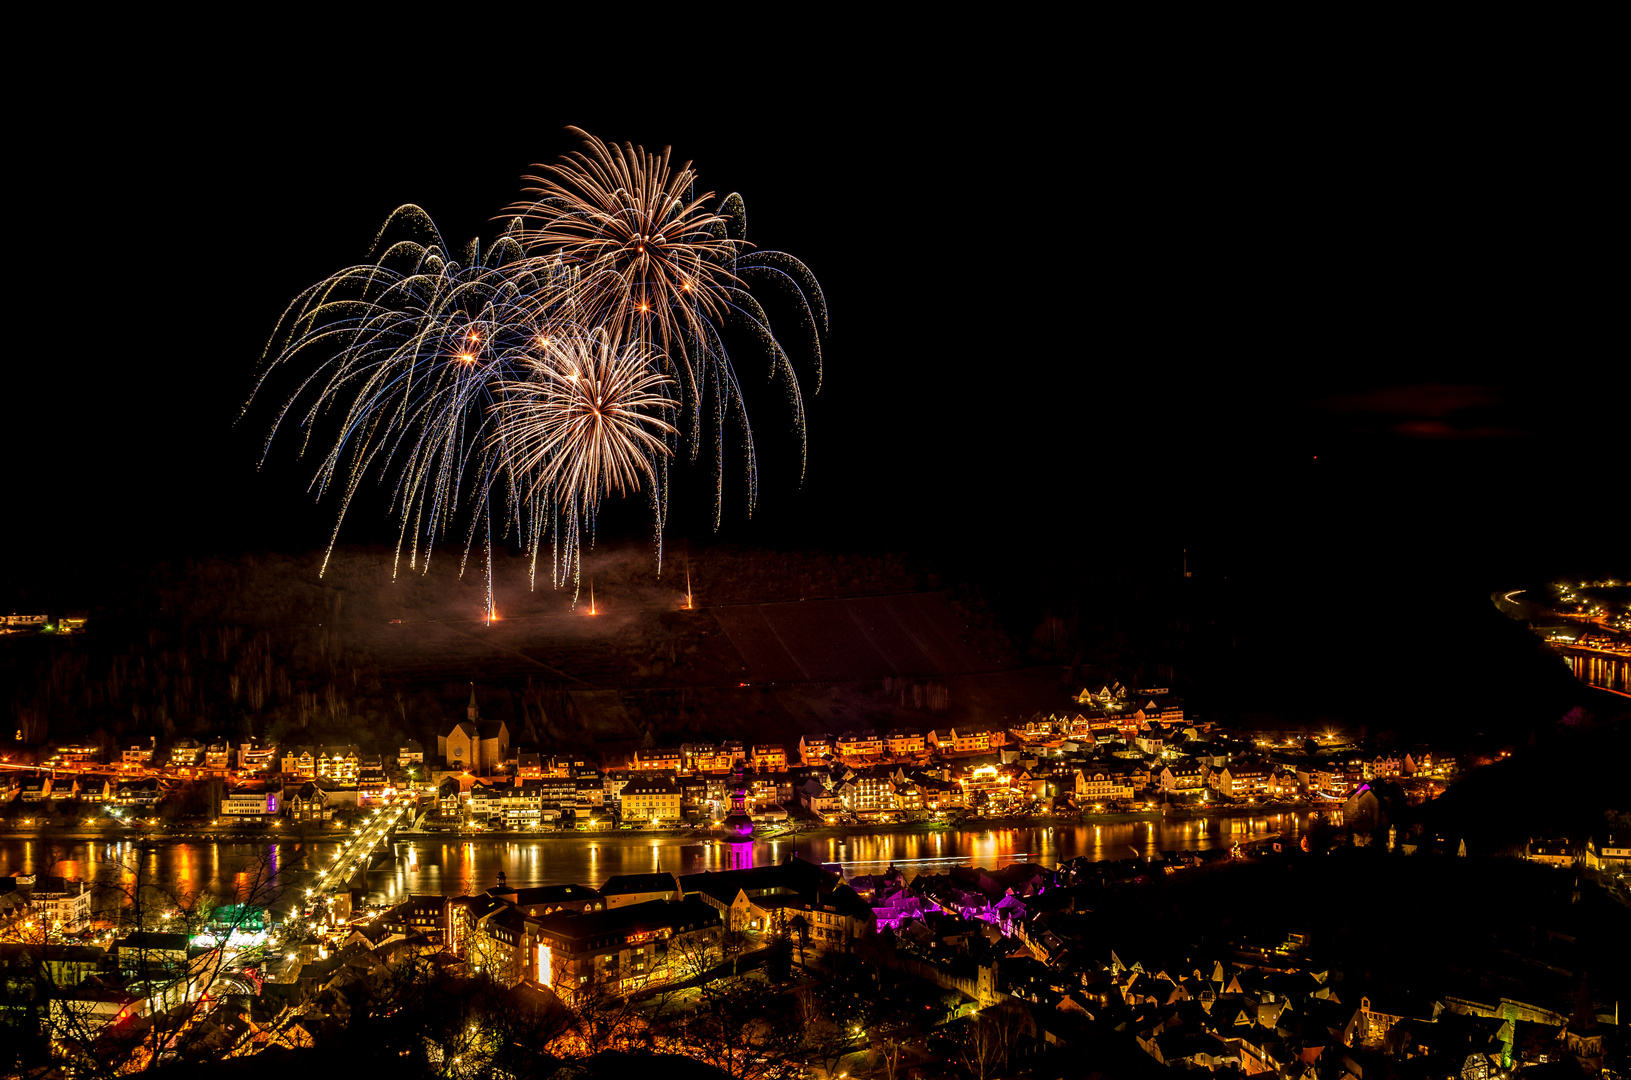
{"x":62,"y":906}
{"x":253,"y":804}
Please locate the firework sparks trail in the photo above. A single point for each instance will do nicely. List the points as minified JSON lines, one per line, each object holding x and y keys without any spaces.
{"x":409,"y":348}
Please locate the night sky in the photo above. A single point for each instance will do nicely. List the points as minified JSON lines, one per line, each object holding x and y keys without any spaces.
{"x":1310,"y":326}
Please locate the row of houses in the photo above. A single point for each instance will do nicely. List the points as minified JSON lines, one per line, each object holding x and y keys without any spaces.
{"x":221,"y":757}
{"x":85,"y":788}
{"x":1125,"y":719}
{"x":700,"y":757}
{"x":600,"y":800}
{"x":850,"y":747}
{"x":303,"y":801}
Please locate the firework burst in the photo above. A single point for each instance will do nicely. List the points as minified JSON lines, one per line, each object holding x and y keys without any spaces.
{"x":525,"y":383}
{"x":646,"y":255}
{"x":587,"y":421}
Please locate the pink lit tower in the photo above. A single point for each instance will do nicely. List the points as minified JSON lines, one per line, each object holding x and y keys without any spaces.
{"x":737,"y":824}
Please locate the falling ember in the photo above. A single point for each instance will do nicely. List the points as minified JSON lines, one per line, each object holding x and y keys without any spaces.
{"x":688,"y":599}
{"x":592,"y":610}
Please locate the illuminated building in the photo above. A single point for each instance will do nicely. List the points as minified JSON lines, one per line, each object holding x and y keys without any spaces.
{"x":339,"y":763}
{"x":650,"y":799}
{"x":251,"y":803}
{"x":138,"y":792}
{"x":769,"y":758}
{"x":371,"y":782}
{"x":430,"y":915}
{"x":61,"y":905}
{"x":622,"y":890}
{"x":818,"y":797}
{"x":665,"y":760}
{"x":473,"y":744}
{"x":869,"y":793}
{"x":256,"y":759}
{"x":309,"y":803}
{"x":961,"y":740}
{"x":218,"y":755}
{"x":1558,"y":852}
{"x":548,"y":899}
{"x":1035,"y":729}
{"x":1378,"y":1015}
{"x":737,"y":822}
{"x":705,"y":757}
{"x":815,"y":749}
{"x":93,"y":789}
{"x":187,"y":753}
{"x":748,"y":898}
{"x":136,"y":754}
{"x":853,"y":746}
{"x":1609,"y":849}
{"x":623,"y":948}
{"x":1102,"y":785}
{"x":300,"y":761}
{"x":1241,"y":781}
{"x":613,"y":784}
{"x":1183,"y":776}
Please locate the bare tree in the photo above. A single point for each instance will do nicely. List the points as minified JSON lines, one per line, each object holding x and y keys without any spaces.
{"x":734,"y":943}
{"x":740,"y":1031}
{"x":895,"y":1027}
{"x":612,"y":1013}
{"x":992,"y":1037}
{"x":833,"y":1018}
{"x":492,"y":957}
{"x":695,"y":958}
{"x":800,"y":927}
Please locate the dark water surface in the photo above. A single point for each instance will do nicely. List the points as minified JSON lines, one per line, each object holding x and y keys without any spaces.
{"x":450,"y":867}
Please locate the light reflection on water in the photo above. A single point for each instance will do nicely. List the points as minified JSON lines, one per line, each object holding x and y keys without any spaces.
{"x":453,"y":867}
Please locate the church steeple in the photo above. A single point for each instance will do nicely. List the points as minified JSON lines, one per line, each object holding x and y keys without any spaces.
{"x":472,"y":713}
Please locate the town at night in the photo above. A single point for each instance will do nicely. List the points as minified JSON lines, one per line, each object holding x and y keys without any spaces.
{"x":837,"y":588}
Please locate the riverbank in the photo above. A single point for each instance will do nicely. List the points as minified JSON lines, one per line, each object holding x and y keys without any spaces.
{"x":339,"y":836}
{"x":470,"y":864}
{"x":178,"y":836}
{"x":296,"y":835}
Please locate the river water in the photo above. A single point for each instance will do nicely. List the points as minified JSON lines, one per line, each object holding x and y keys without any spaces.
{"x":449,"y":867}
